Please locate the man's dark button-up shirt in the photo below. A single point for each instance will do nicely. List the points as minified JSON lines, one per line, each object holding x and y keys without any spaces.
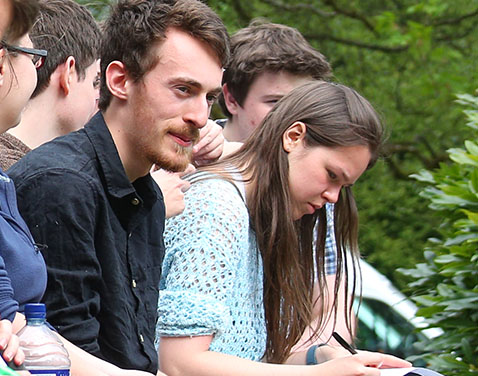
{"x":104,"y":238}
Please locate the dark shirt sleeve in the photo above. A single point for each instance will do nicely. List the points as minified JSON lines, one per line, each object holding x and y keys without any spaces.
{"x":60,"y":207}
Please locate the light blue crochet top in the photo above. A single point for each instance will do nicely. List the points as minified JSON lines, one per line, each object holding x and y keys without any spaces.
{"x":211,"y":281}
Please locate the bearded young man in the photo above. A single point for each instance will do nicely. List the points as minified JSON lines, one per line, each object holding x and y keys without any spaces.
{"x":89,"y":197}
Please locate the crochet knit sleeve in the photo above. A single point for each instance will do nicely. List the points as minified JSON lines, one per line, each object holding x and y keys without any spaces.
{"x":203,"y":248}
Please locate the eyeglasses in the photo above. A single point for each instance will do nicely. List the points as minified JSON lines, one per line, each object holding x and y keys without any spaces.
{"x":38,"y":56}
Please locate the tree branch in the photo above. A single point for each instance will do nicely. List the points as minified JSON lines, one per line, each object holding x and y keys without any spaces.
{"x":455,"y":36}
{"x":401,"y":149}
{"x":456,"y":20}
{"x":352,"y":14}
{"x":293,"y":8}
{"x":395,"y":170}
{"x":369,"y":46}
{"x":244,"y":17}
{"x":382,"y":48}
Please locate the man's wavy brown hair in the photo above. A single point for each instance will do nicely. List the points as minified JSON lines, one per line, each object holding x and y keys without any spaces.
{"x":135,"y":27}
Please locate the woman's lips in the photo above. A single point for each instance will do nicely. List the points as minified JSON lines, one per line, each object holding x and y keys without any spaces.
{"x":312,"y":208}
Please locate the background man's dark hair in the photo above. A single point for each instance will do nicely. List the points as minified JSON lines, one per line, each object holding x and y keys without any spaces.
{"x":268,"y":47}
{"x":64,"y":28}
{"x":135,"y":26}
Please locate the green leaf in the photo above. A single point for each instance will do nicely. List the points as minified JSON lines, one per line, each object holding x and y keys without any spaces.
{"x":461,"y":304}
{"x":423,"y":176}
{"x":462,"y":157}
{"x":472,"y":147}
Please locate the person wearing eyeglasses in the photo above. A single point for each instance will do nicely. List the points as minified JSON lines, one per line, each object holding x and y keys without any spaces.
{"x":24,"y":14}
{"x":22,"y":268}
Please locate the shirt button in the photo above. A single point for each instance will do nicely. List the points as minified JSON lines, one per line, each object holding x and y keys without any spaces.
{"x":141,"y":338}
{"x":135,"y":201}
{"x":133,"y":283}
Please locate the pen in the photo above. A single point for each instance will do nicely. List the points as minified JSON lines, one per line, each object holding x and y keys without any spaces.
{"x":343,"y":343}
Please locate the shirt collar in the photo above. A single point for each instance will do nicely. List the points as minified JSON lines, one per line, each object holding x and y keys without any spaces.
{"x":117,"y":182}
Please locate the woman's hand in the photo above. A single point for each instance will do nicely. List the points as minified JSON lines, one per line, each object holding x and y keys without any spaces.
{"x":326,"y":353}
{"x":364,"y":363}
{"x":9,"y":345}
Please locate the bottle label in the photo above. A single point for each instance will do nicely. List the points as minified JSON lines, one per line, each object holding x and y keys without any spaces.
{"x":51,"y":372}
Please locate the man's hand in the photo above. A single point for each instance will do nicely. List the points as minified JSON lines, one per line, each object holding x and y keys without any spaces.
{"x":210,"y":145}
{"x":173,"y":187}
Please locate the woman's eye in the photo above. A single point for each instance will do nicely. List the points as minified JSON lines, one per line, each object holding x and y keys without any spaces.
{"x":332,"y":175}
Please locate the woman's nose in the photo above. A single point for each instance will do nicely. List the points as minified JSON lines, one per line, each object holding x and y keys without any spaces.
{"x":331,"y":194}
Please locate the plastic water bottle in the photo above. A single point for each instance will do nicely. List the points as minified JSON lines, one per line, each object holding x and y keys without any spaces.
{"x":44,"y":352}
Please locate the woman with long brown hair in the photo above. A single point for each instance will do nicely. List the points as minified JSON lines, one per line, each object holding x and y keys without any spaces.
{"x":240,"y":266}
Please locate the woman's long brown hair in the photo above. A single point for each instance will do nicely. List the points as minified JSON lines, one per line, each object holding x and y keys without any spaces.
{"x":335,"y":115}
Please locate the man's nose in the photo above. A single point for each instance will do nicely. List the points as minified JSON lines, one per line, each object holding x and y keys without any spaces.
{"x":198,"y":112}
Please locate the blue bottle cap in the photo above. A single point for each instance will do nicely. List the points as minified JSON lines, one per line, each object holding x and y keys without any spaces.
{"x":35,"y":311}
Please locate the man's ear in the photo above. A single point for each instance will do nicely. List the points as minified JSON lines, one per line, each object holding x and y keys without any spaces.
{"x":117,"y":79}
{"x":293,"y":136}
{"x":229,"y":100}
{"x":67,"y":75}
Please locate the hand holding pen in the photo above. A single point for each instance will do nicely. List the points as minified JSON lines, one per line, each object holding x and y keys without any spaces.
{"x":389,"y":360}
{"x":344,"y":343}
{"x":366,"y":358}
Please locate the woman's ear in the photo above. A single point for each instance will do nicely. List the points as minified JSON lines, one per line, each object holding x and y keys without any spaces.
{"x":293,"y":136}
{"x":117,"y":79}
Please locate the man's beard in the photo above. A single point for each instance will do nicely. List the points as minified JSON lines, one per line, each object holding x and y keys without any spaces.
{"x":176,"y":164}
{"x":183,"y":154}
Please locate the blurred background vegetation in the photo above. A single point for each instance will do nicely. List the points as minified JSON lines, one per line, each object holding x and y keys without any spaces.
{"x":445,"y":286}
{"x":409,"y":58}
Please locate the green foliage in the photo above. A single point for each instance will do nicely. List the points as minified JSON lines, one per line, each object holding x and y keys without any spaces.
{"x":388,"y":237}
{"x":446,"y":285}
{"x":99,"y":8}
